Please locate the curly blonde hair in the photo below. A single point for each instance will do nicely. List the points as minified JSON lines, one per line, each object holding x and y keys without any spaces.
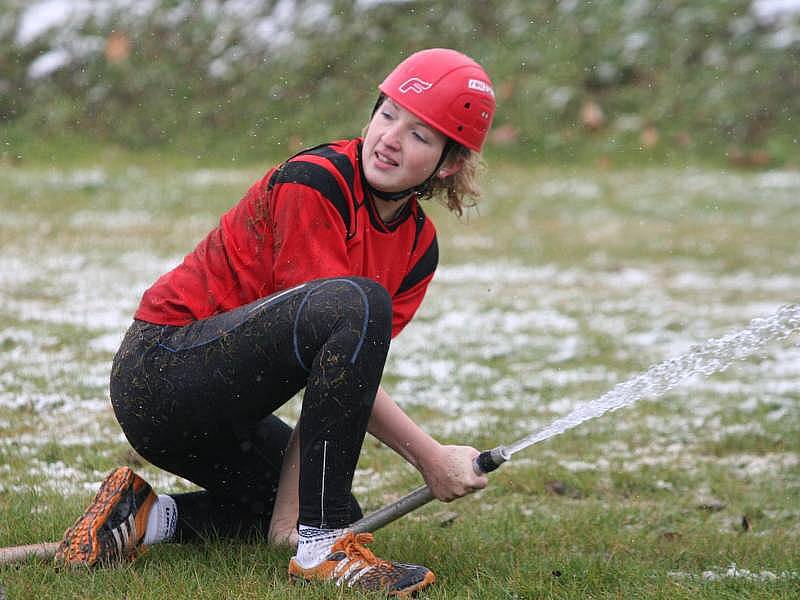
{"x":461,"y":190}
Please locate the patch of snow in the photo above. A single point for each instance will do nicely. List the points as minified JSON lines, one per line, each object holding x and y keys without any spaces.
{"x":770,"y":10}
{"x":48,"y":63}
{"x":41,"y":17}
{"x":735,"y":572}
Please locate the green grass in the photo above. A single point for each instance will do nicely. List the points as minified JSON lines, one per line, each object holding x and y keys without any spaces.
{"x":565,"y":282}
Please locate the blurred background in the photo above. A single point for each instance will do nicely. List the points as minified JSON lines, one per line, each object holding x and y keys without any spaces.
{"x":605,"y":82}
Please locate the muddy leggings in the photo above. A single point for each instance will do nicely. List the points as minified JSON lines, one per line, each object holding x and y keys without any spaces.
{"x":197,"y":401}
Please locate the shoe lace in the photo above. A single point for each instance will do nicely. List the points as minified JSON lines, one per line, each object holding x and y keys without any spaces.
{"x":353,"y":545}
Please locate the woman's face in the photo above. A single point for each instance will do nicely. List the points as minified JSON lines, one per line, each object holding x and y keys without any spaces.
{"x":399,"y":151}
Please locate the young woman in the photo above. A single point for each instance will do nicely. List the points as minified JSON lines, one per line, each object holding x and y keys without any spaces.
{"x":301,"y":286}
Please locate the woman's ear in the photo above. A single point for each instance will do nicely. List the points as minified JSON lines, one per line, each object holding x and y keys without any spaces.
{"x":450,"y":168}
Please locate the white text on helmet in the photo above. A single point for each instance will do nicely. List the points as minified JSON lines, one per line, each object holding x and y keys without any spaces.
{"x":481,"y":86}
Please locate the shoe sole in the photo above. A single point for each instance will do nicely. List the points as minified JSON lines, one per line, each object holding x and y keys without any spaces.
{"x":81,"y":545}
{"x":408,"y":592}
{"x":412,"y":591}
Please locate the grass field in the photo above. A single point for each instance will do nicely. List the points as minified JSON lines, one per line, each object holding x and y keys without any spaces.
{"x":565,"y":283}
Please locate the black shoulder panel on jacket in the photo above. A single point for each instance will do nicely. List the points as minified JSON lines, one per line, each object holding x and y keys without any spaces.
{"x":425,"y":266}
{"x":339,"y":160}
{"x":316,"y":177}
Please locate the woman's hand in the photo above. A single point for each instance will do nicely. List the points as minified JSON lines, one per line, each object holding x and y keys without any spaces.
{"x":283,"y":533}
{"x":450,"y":474}
{"x":283,"y":525}
{"x":447,"y":470}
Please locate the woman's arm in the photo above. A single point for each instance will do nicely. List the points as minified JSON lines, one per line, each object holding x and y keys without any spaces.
{"x":283,"y":526}
{"x":447,"y":470}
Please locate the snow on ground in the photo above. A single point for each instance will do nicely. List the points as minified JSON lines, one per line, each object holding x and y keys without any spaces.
{"x":492,"y":338}
{"x":735,"y":572}
{"x":774,"y":9}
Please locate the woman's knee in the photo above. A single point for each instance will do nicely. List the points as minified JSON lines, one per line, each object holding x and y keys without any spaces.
{"x":379,"y":301}
{"x":367,"y":302}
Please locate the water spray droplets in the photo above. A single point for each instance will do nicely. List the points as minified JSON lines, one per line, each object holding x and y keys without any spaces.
{"x":710,"y":357}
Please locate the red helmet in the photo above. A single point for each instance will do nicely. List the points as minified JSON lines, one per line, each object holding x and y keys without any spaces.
{"x":447,"y":90}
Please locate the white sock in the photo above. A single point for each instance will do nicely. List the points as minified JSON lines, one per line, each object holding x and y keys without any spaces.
{"x":314,"y":545}
{"x":161,"y":521}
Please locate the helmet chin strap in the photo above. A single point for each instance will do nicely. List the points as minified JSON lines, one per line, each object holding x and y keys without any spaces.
{"x":420,"y":190}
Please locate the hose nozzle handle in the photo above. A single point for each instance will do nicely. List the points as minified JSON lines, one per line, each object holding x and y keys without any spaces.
{"x":489,"y":460}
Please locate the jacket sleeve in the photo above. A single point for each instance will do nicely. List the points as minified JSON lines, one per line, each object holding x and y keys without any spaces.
{"x":412,"y":290}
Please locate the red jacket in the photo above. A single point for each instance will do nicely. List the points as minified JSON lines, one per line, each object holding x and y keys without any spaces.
{"x":306,"y":219}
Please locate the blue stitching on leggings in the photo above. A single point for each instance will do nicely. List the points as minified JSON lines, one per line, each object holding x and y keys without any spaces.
{"x":363,"y":326}
{"x":294,"y":331}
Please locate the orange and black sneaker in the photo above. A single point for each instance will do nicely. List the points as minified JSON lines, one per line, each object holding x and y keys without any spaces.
{"x":350,"y":562}
{"x":113,"y":526}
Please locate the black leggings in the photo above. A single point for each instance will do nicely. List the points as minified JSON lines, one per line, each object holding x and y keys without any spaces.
{"x":197,"y":401}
